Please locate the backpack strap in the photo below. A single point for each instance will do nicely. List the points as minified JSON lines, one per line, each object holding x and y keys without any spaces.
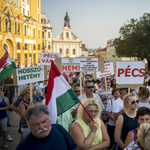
{"x":135,"y":136}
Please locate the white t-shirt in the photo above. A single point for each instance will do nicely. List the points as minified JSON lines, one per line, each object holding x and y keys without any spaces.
{"x":144,"y":105}
{"x":42,"y":86}
{"x":118,"y":105}
{"x":109,"y":108}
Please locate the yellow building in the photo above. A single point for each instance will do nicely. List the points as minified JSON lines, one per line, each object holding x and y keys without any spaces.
{"x":21,"y":30}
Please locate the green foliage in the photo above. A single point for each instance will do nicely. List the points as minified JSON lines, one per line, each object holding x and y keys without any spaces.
{"x":134,"y":38}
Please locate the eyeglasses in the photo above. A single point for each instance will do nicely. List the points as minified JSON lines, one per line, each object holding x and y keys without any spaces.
{"x":91,"y":111}
{"x":133,"y":102}
{"x":88,"y":87}
{"x":77,"y":91}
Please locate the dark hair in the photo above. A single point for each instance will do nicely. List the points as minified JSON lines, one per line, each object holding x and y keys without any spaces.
{"x":115,"y":90}
{"x":88,"y":75}
{"x":88,"y":81}
{"x":149,"y":82}
{"x":144,"y":91}
{"x":142,"y":111}
{"x":45,"y":90}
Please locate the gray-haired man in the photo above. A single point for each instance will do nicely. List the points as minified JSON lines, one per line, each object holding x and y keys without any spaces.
{"x":43,"y":135}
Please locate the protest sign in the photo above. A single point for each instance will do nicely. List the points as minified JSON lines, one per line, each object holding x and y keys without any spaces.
{"x":29,"y":75}
{"x":130,"y":73}
{"x":47,"y":57}
{"x":80,"y":64}
{"x":108,"y":70}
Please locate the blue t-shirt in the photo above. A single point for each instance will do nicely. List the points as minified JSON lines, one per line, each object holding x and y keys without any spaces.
{"x":35,"y":99}
{"x":58,"y":139}
{"x":3,"y":112}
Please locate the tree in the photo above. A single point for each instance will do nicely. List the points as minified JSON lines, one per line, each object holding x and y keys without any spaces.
{"x":134,"y":39}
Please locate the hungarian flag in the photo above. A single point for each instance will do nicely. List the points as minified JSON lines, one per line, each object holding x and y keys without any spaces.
{"x":6,"y":66}
{"x":60,"y":96}
{"x":18,"y":17}
{"x":96,"y":86}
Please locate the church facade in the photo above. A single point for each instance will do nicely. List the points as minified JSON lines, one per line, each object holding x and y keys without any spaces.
{"x":66,"y":42}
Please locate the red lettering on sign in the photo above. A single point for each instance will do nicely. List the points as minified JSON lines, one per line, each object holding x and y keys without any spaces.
{"x":64,"y":68}
{"x":120,"y":71}
{"x":127,"y":71}
{"x":142,"y":71}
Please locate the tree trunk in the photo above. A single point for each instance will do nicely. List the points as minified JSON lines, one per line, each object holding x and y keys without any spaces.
{"x":148,"y":62}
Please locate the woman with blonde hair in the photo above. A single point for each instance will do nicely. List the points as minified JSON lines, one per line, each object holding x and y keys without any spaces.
{"x":127,"y":121}
{"x":23,"y":106}
{"x":143,"y":138}
{"x":89,"y":135}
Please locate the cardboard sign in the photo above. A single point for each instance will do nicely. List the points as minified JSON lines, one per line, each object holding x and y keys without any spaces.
{"x":108,"y":70}
{"x":130,"y":73}
{"x":80,"y":64}
{"x":29,"y":75}
{"x":47,"y":57}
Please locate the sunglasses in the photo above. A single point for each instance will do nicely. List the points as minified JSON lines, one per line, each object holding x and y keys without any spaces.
{"x":133,"y":102}
{"x":88,"y":87}
{"x":77,"y":91}
{"x":91,"y":111}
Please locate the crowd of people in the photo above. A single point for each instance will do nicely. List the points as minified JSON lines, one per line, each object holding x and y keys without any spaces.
{"x":121,"y":116}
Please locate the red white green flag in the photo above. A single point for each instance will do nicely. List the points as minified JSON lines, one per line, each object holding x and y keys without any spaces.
{"x":6,"y":66}
{"x":60,"y":96}
{"x":96,"y":86}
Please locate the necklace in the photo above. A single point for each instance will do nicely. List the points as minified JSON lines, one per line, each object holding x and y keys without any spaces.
{"x":26,"y":101}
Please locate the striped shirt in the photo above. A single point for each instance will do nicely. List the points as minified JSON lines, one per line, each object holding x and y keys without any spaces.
{"x":102,"y":93}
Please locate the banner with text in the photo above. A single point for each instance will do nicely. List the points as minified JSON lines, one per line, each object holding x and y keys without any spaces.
{"x":28,"y":75}
{"x":79,"y":64}
{"x":108,"y":70}
{"x":130,"y":72}
{"x":47,"y":57}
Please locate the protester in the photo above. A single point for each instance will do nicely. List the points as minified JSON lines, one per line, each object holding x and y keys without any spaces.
{"x":147,"y":76}
{"x":88,"y":77}
{"x":42,"y":86}
{"x":118,"y":104}
{"x":87,"y":134}
{"x":105,"y":97}
{"x":9,"y":84}
{"x":143,"y":116}
{"x":144,"y":98}
{"x":43,"y":135}
{"x":4,"y":105}
{"x":135,"y":91}
{"x":65,"y":76}
{"x":143,"y":138}
{"x":89,"y":89}
{"x":23,"y":106}
{"x":113,"y":84}
{"x":112,"y":121}
{"x":127,"y":121}
{"x":77,"y":89}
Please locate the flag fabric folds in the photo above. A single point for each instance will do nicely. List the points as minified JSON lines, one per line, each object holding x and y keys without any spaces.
{"x":6,"y":66}
{"x":60,"y":96}
{"x":96,"y":86}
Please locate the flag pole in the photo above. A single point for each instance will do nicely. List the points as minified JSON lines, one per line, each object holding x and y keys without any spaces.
{"x":106,"y":86}
{"x":31,"y":98}
{"x":81,"y":85}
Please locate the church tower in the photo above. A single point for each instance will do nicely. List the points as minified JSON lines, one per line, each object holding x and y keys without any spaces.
{"x":67,"y":20}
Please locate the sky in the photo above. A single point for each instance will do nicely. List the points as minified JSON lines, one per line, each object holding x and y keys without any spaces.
{"x":94,"y":21}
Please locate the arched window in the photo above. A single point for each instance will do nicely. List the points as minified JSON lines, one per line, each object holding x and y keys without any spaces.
{"x":60,"y":50}
{"x":18,"y":46}
{"x":74,"y":51}
{"x":67,"y":35}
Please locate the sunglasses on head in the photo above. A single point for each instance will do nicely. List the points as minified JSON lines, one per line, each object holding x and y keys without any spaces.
{"x":133,"y":102}
{"x":90,"y":87}
{"x":77,"y":91}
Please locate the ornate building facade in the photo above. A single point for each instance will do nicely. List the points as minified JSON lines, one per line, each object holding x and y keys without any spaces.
{"x":46,"y":34}
{"x":21,"y":30}
{"x":66,"y":42}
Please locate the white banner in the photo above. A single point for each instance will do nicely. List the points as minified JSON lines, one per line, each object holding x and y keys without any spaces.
{"x":108,"y":70}
{"x":79,"y":64}
{"x":130,"y":72}
{"x":47,"y":57}
{"x":29,"y":75}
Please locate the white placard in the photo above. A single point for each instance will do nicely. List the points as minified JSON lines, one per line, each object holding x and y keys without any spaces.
{"x":130,"y":72}
{"x":29,"y":75}
{"x":108,"y":70}
{"x":47,"y":57}
{"x":79,"y":64}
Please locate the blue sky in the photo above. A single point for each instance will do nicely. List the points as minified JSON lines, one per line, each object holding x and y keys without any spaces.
{"x":95,"y":21}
